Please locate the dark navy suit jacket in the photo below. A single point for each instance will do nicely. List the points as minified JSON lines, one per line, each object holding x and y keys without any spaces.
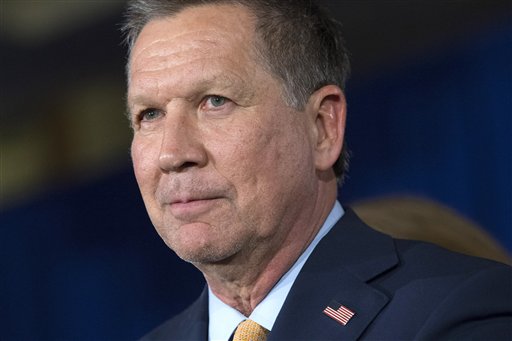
{"x":399,"y":290}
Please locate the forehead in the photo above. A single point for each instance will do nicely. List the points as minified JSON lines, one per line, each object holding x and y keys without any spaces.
{"x":191,"y":40}
{"x":209,"y":29}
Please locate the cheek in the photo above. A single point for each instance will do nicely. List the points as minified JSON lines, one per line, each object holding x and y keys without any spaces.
{"x":139,"y":162}
{"x":240,"y":153}
{"x":145,"y":165}
{"x":259,"y":157}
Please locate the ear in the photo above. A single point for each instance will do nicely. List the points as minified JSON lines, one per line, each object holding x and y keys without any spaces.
{"x":328,"y":109}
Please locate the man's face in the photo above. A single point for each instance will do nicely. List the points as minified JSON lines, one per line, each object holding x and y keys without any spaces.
{"x":223,"y":164}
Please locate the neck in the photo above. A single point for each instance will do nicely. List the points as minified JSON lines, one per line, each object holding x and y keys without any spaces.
{"x":243,"y":281}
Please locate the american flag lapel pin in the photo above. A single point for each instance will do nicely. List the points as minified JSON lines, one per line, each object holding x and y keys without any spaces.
{"x":341,"y":314}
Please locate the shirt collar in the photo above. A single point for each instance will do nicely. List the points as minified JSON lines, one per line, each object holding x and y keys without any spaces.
{"x":224,"y":319}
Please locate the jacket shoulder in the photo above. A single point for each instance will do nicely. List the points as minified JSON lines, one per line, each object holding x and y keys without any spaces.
{"x":427,"y":258}
{"x":446,"y":295}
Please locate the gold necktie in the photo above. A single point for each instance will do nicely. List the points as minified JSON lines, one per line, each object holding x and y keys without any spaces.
{"x":249,"y":330}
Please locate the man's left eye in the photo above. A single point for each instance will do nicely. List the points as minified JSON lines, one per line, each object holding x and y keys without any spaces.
{"x":217,"y":101}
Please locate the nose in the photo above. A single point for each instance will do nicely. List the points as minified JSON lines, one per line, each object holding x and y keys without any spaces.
{"x":182,"y":147}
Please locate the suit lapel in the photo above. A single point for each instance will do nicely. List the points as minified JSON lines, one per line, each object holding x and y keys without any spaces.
{"x":337,"y":273}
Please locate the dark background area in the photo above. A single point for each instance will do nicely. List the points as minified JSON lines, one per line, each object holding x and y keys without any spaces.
{"x":429,"y":115}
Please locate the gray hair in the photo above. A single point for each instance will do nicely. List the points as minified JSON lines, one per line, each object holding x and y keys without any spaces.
{"x":299,"y":44}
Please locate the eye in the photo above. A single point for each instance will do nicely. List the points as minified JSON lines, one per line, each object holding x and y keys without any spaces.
{"x":216,"y":101}
{"x":217,"y":105}
{"x":149,"y":114}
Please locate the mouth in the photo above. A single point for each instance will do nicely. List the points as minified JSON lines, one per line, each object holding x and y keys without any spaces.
{"x":187,"y":209}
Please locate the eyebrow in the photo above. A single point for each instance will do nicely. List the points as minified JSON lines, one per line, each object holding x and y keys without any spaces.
{"x":215,"y":82}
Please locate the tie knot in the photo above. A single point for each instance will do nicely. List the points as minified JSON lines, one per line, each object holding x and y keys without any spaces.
{"x":249,"y":330}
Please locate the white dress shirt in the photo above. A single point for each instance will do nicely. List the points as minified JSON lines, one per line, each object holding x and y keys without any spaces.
{"x":224,"y":319}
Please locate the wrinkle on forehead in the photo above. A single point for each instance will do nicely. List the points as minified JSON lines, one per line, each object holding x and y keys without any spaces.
{"x":178,"y":69}
{"x":179,"y":45}
{"x":166,"y":54}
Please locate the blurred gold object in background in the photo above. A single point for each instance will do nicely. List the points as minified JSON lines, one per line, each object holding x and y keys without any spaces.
{"x":416,"y":218}
{"x":81,"y":133}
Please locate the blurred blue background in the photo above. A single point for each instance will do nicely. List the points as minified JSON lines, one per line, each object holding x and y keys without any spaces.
{"x":429,"y":115}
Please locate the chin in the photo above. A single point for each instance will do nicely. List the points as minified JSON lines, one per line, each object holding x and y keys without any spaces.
{"x":198,"y":249}
{"x":202,"y":256}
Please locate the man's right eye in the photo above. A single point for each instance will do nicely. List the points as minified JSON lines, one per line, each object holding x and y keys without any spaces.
{"x":149,"y":114}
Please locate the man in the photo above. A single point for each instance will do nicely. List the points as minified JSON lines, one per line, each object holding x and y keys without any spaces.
{"x":238,"y":114}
